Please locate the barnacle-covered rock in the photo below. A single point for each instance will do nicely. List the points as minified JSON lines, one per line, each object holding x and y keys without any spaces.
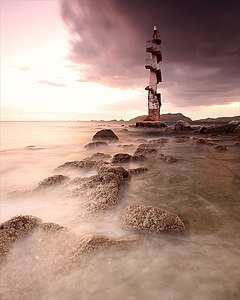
{"x":150,"y":219}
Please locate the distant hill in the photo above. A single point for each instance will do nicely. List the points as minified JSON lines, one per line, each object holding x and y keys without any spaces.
{"x":217,"y":120}
{"x":168,"y":118}
{"x":173,"y":118}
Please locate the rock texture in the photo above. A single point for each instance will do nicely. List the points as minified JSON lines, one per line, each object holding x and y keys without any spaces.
{"x":52,"y":181}
{"x":181,"y":139}
{"x":121,"y":158}
{"x":237,"y":130}
{"x":96,"y":144}
{"x":150,"y":219}
{"x":209,"y":142}
{"x":137,"y":170}
{"x":151,"y":152}
{"x":182,"y":125}
{"x":168,"y":118}
{"x":19,"y":227}
{"x":219,"y":129}
{"x":87,"y":163}
{"x":105,"y":134}
{"x":94,"y":243}
{"x":98,"y":193}
{"x":151,"y":124}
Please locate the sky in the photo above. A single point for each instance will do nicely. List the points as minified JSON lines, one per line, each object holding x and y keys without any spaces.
{"x":84,"y":59}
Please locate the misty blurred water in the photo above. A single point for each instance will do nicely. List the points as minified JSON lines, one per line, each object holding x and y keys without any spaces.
{"x":203,"y":188}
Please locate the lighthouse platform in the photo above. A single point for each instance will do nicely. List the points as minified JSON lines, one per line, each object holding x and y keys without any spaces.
{"x":151,"y":124}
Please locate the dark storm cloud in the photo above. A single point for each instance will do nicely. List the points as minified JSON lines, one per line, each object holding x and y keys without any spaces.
{"x":201,"y":45}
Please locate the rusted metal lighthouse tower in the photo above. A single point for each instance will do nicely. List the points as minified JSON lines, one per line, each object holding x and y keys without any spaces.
{"x":152,"y":63}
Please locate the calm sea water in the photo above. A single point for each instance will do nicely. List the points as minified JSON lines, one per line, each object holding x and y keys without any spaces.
{"x":203,"y":188}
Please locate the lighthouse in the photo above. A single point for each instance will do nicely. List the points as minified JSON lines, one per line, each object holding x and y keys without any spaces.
{"x":155,"y":77}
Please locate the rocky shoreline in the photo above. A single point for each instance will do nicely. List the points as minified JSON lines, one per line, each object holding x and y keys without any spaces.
{"x":101,"y":193}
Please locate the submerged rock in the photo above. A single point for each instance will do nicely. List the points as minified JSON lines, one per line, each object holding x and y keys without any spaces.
{"x":105,"y":134}
{"x":119,"y":171}
{"x":87,"y":163}
{"x":201,"y":141}
{"x":237,"y":130}
{"x":219,"y":129}
{"x":121,"y":158}
{"x":76,"y":164}
{"x":220,"y":147}
{"x":151,"y":152}
{"x":91,"y":243}
{"x":181,"y":139}
{"x":147,"y":150}
{"x":97,"y":193}
{"x":19,"y":227}
{"x":210,"y":142}
{"x":100,"y":156}
{"x":52,"y":181}
{"x":137,"y":170}
{"x":150,"y":219}
{"x":182,"y":125}
{"x":95,"y":145}
{"x":159,"y":142}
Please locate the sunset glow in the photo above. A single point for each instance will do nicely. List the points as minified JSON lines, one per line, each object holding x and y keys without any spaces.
{"x":40,"y":79}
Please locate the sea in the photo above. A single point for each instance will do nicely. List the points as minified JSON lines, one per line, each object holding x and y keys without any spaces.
{"x":202,"y":188}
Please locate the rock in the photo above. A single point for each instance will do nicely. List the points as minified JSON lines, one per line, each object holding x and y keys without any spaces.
{"x":236,"y":144}
{"x":181,"y":139}
{"x":151,"y":152}
{"x":166,"y":158}
{"x":139,"y":157}
{"x":100,"y":156}
{"x":182,"y":125}
{"x":147,"y":150}
{"x":219,"y":129}
{"x":221,"y":148}
{"x":105,"y":134}
{"x":93,"y":161}
{"x":159,"y":141}
{"x":119,"y":171}
{"x":141,"y":141}
{"x":94,"y":243}
{"x":201,"y":141}
{"x":121,"y":158}
{"x":236,"y":122}
{"x":52,"y":181}
{"x":76,"y":164}
{"x":19,"y":227}
{"x":150,"y":219}
{"x":210,"y":143}
{"x":151,"y":124}
{"x":87,"y":163}
{"x":126,"y":145}
{"x":49,"y":226}
{"x":237,"y":130}
{"x":136,"y":170}
{"x":95,"y":145}
{"x":170,"y":128}
{"x":32,"y":147}
{"x":73,"y":251}
{"x":98,"y":193}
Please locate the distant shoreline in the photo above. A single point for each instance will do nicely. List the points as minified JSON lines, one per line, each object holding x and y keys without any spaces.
{"x":168,"y":118}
